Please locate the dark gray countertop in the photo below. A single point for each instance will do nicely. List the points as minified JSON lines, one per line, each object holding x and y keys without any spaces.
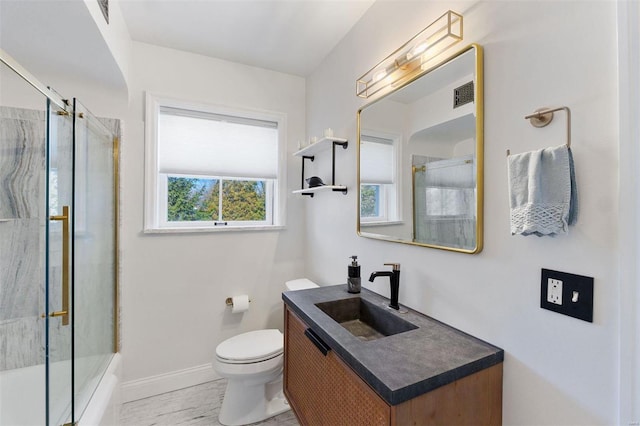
{"x":402,"y":366}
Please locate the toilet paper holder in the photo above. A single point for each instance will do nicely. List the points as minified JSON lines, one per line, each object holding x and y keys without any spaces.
{"x":229,"y":301}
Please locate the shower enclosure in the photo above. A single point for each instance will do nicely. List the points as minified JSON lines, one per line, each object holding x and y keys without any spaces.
{"x":444,"y":201}
{"x":58,"y":251}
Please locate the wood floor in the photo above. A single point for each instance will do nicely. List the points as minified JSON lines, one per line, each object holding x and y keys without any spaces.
{"x":197,"y":405}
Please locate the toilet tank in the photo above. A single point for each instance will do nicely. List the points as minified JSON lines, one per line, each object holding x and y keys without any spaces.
{"x":300,"y":284}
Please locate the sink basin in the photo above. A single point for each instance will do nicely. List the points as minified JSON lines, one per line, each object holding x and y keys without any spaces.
{"x":364,"y":319}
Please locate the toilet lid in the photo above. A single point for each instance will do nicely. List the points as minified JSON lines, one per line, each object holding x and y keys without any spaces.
{"x":252,"y":346}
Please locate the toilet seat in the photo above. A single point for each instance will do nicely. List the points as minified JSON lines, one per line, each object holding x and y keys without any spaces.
{"x":251,"y":347}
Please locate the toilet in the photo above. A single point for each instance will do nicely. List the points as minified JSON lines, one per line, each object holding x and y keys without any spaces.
{"x":252,"y":363}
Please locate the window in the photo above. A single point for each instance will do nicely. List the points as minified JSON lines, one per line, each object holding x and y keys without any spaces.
{"x":378,"y":180}
{"x":212,"y":168}
{"x":371,"y":201}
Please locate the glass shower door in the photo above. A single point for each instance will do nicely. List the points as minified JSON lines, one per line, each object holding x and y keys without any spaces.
{"x":95,"y":255}
{"x":59,"y":265}
{"x":23,"y":218}
{"x":81,"y":260}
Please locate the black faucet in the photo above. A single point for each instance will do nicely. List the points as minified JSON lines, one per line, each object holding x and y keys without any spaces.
{"x":394,"y":278}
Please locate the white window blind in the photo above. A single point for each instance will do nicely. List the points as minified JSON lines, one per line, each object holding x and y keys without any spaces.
{"x":376,"y":160}
{"x":200,"y":143}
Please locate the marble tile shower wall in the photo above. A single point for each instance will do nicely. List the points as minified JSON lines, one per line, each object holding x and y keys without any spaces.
{"x":22,"y":208}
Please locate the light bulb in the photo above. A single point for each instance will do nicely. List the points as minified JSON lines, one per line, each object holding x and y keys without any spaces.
{"x":379,"y":75}
{"x":420,"y":48}
{"x":417,"y":50}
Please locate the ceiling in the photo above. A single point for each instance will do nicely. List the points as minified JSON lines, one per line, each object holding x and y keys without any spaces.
{"x":290,"y":36}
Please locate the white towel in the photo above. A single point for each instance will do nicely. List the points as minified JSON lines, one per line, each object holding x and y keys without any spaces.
{"x":542,"y":192}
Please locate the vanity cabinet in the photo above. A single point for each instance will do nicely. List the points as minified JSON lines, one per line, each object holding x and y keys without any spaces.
{"x":323,"y":390}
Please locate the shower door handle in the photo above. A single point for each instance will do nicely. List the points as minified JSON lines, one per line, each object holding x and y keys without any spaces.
{"x":64,"y":313}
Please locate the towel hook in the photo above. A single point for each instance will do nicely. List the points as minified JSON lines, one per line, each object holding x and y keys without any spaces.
{"x":543,"y":116}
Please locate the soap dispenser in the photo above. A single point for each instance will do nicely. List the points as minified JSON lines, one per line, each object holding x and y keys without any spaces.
{"x":353,"y":281}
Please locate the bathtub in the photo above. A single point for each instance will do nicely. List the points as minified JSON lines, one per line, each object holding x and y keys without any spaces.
{"x":22,"y":396}
{"x":104,"y":406}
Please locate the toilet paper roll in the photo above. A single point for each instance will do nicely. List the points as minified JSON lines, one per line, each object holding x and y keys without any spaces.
{"x":240,"y":304}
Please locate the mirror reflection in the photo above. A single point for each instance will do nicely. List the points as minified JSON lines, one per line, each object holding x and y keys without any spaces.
{"x":420,"y":159}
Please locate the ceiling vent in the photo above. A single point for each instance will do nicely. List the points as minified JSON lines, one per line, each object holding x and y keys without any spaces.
{"x":463,"y":95}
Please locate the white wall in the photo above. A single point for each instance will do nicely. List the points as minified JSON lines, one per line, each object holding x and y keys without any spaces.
{"x":174,"y":286}
{"x":115,"y":34}
{"x":629,"y":229}
{"x":59,"y":41}
{"x":558,"y":370}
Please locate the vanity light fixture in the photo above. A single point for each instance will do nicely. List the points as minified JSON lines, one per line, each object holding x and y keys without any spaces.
{"x":414,"y":57}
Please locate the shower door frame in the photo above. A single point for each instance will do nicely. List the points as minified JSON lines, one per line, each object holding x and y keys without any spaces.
{"x":59,"y":318}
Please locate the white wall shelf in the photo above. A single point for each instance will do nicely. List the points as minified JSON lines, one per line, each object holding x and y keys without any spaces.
{"x":309,"y":152}
{"x":311,"y":191}
{"x":322,"y":145}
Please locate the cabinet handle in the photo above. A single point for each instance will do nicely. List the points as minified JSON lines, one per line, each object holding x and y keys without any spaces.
{"x":316,"y":340}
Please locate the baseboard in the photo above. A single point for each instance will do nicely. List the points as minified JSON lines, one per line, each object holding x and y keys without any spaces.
{"x":155,"y":385}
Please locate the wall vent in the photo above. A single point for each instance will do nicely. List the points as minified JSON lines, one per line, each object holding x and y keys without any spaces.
{"x":463,"y":95}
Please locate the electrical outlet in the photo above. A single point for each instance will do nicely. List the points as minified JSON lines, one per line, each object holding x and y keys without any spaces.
{"x":567,"y":294}
{"x":554,"y":291}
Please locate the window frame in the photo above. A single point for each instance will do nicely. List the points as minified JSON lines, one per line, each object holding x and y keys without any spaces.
{"x":390,"y":212}
{"x":164,"y":207}
{"x":155,"y":185}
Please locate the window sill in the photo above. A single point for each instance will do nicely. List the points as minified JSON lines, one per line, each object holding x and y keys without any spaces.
{"x":185,"y":230}
{"x":381,"y":223}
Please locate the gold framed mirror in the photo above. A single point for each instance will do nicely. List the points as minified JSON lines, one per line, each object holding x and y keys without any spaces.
{"x":420,"y":158}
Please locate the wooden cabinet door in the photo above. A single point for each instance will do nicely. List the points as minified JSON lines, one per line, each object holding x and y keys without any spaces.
{"x":321,"y":388}
{"x":305,"y":381}
{"x":352,"y":402}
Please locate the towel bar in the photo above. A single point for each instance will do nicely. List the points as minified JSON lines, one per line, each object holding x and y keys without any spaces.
{"x":543,"y":116}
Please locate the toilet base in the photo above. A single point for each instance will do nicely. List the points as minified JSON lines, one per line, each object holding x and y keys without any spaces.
{"x":246,"y":402}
